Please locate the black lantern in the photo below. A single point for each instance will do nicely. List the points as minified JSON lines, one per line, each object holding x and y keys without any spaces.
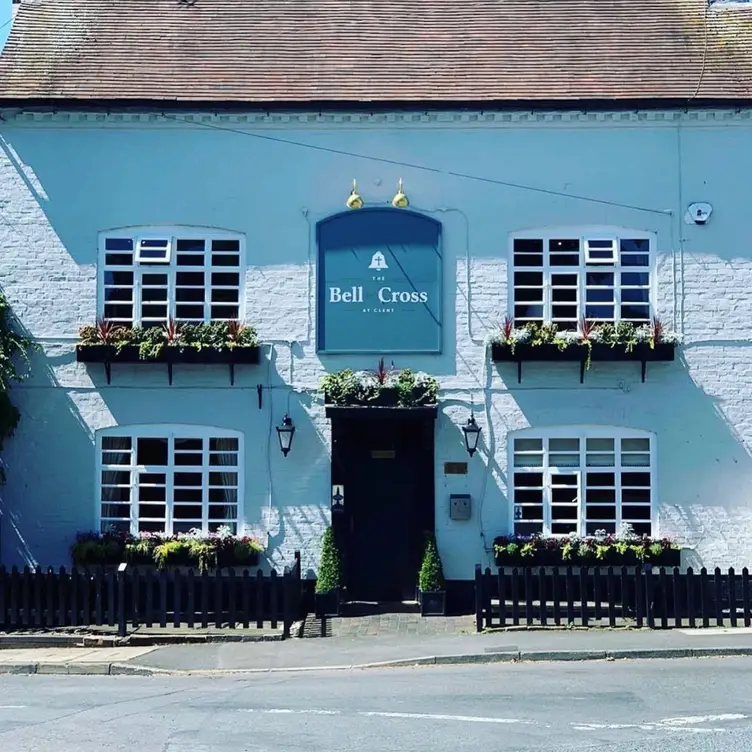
{"x":285,"y":432}
{"x":472,"y":434}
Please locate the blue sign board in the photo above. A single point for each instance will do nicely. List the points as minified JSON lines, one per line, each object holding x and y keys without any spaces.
{"x":379,"y":282}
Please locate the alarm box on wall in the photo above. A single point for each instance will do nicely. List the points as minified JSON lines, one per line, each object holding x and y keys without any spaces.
{"x":459,"y":507}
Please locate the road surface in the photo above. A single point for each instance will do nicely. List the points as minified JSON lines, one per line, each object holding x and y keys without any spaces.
{"x":687,"y":705}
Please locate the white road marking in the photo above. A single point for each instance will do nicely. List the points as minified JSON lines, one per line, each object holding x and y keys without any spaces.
{"x":441,"y":717}
{"x":681,"y":723}
{"x":12,"y":707}
{"x":686,"y":724}
{"x":290,"y":710}
{"x":695,"y":719}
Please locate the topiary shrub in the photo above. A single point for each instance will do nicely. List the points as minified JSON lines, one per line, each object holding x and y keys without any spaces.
{"x":329,"y":577}
{"x":431,"y":577}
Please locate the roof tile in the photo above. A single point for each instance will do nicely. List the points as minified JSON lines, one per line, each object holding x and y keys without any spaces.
{"x":296,"y":51}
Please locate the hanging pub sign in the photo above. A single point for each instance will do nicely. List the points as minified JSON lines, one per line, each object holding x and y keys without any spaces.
{"x":379,"y":282}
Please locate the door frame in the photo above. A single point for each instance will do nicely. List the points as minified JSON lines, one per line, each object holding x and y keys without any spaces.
{"x":342,"y":419}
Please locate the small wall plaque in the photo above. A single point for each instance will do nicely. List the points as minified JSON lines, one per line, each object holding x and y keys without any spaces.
{"x":455,"y":468}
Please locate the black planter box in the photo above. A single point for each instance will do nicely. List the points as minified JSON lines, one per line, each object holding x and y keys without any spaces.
{"x":641,"y":353}
{"x":387,"y":397}
{"x":433,"y":603}
{"x":671,"y":558}
{"x":107,"y":355}
{"x":327,"y":604}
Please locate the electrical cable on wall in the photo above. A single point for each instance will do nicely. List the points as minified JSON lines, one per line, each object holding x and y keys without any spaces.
{"x":410,"y":165}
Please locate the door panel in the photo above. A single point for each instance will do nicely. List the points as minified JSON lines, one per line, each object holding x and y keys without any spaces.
{"x":387,"y":468}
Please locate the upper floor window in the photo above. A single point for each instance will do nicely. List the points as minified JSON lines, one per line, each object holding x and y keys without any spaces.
{"x":149,"y":275}
{"x":169,"y":480}
{"x":561,"y":277}
{"x":571,"y":481}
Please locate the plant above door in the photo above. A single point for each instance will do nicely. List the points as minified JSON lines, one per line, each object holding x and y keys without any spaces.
{"x":383,"y":387}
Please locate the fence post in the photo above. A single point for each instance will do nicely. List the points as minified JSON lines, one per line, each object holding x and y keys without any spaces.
{"x":287,"y":585}
{"x":478,"y":598}
{"x":649,"y":596}
{"x":122,"y":631}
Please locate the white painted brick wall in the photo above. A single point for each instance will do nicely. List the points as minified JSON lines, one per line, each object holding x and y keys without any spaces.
{"x":64,"y":179}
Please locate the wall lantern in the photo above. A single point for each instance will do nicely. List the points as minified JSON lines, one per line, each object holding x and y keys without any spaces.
{"x":472,"y":434}
{"x":400,"y":199}
{"x":285,"y":432}
{"x":354,"y":201}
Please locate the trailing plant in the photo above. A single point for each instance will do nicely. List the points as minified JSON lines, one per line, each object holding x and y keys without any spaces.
{"x":572,"y":549}
{"x":329,"y":576}
{"x":431,"y":576}
{"x":151,"y":341}
{"x":185,"y":549}
{"x":623,"y":335}
{"x":410,"y":388}
{"x":15,"y":350}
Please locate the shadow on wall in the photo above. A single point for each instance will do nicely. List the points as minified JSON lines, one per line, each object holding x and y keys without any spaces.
{"x":286,"y":498}
{"x":50,"y":491}
{"x":703,"y":467}
{"x":463,"y":543}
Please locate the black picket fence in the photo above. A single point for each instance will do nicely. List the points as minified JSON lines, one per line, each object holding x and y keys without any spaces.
{"x":658,"y":598}
{"x":36,"y":599}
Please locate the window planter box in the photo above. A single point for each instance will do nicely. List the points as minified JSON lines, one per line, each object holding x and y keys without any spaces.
{"x":554,"y":558}
{"x":107,"y":355}
{"x":387,"y":397}
{"x":641,"y":353}
{"x":327,"y":604}
{"x":432,"y":603}
{"x":154,"y":571}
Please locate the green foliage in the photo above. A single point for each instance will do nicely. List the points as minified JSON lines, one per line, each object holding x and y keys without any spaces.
{"x":431,"y":576}
{"x":511,"y":550}
{"x":216,"y":550}
{"x":329,"y":576}
{"x":15,"y":349}
{"x":151,"y":341}
{"x":171,"y":553}
{"x":140,"y":551}
{"x":91,"y":550}
{"x":349,"y":388}
{"x":339,"y":387}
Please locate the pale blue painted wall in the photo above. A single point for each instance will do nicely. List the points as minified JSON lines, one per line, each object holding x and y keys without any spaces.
{"x":64,"y":179}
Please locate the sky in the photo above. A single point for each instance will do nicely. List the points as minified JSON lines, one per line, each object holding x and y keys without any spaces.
{"x":5,"y":15}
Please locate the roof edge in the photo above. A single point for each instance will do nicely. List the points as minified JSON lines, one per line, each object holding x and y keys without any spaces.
{"x":152,"y":105}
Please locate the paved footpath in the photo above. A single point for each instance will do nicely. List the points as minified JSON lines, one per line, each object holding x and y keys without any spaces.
{"x":386,"y":650}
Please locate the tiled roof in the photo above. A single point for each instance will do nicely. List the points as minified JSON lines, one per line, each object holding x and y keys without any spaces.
{"x":296,"y":51}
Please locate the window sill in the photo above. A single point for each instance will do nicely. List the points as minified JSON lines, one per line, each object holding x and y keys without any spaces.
{"x":107,"y":355}
{"x":641,"y":353}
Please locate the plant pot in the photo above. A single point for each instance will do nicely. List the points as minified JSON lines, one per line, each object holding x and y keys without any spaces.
{"x":667,"y":558}
{"x":327,"y":604}
{"x":548,"y":352}
{"x":228,"y":559}
{"x":433,"y":603}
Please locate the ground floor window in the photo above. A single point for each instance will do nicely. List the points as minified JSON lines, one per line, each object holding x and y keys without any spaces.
{"x":582,"y":481}
{"x":169,"y":481}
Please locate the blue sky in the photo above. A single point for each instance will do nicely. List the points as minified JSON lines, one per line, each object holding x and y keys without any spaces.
{"x":5,"y":13}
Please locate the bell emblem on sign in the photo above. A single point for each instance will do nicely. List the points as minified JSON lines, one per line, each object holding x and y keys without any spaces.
{"x":378,"y":261}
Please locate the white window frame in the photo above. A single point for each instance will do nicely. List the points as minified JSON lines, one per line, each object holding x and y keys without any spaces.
{"x":170,"y":431}
{"x":581,"y":432}
{"x":139,"y":247}
{"x":583,"y":234}
{"x":140,"y":266}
